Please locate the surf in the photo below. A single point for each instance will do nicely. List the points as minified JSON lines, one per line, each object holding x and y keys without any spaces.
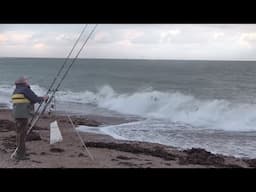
{"x":149,"y":103}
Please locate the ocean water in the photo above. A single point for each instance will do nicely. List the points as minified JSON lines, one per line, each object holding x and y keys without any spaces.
{"x":207,"y":104}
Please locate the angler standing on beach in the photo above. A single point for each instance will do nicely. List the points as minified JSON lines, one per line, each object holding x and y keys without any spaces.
{"x":23,"y":99}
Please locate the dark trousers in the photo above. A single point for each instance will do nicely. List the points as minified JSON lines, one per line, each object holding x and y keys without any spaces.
{"x":21,"y":128}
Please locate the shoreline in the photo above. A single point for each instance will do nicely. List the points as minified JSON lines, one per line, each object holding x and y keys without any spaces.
{"x":107,"y":152}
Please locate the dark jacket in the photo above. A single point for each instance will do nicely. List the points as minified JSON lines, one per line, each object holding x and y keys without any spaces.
{"x":28,"y":93}
{"x":23,"y":99}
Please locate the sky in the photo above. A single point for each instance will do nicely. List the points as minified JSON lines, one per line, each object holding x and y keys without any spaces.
{"x":132,"y":41}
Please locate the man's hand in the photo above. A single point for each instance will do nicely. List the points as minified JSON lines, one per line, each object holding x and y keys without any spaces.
{"x":46,"y":97}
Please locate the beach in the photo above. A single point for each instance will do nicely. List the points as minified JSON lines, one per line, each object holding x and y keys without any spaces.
{"x":183,"y":104}
{"x":106,"y":152}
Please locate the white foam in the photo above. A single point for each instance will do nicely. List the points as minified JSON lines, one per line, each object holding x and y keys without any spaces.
{"x":5,"y":95}
{"x":172,"y":106}
{"x":107,"y":130}
{"x":177,"y":107}
{"x":182,"y":136}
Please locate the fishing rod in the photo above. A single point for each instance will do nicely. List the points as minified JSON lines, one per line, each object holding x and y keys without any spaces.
{"x":59,"y":84}
{"x":59,"y":71}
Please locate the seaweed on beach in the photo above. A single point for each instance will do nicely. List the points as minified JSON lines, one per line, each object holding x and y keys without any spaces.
{"x":134,"y":148}
{"x":201,"y":157}
{"x":6,"y":125}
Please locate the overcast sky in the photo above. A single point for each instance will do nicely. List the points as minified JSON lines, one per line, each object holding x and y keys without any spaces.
{"x":132,"y":41}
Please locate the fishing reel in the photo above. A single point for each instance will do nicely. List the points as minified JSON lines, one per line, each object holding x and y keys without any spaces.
{"x":52,"y":107}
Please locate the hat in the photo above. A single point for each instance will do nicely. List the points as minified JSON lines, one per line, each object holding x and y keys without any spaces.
{"x":21,"y":80}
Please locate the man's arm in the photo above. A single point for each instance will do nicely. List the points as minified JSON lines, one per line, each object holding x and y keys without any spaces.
{"x":32,"y":96}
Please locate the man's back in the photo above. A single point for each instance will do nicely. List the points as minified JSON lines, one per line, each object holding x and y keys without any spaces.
{"x":23,"y":99}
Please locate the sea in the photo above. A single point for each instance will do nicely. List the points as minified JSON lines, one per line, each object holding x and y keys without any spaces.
{"x":179,"y":103}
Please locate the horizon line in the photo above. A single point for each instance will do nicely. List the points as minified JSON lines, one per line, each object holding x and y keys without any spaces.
{"x":133,"y":58}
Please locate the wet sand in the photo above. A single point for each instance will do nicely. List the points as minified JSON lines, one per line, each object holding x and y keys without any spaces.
{"x":107,"y":152}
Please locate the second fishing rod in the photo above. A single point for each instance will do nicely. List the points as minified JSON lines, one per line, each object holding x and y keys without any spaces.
{"x":54,"y":90}
{"x":59,"y":72}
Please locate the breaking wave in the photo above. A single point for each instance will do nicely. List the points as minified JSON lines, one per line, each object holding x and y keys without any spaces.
{"x":171,"y":106}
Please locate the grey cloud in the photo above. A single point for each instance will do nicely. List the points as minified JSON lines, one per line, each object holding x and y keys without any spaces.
{"x":145,"y":40}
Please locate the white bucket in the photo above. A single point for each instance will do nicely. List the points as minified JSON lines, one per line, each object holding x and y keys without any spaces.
{"x":55,"y":134}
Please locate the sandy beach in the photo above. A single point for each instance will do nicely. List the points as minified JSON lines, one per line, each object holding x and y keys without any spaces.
{"x":106,"y":151}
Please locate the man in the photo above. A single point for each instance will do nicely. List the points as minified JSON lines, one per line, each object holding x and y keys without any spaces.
{"x":23,"y":99}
